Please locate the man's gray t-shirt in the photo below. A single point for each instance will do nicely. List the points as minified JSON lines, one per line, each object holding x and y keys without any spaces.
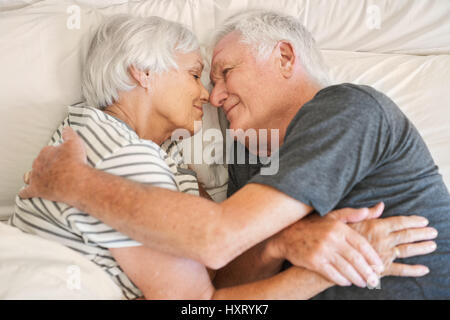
{"x":351,"y":146}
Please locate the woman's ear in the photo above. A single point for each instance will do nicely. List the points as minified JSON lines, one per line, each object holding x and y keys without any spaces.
{"x":142,"y":78}
{"x":287,"y":58}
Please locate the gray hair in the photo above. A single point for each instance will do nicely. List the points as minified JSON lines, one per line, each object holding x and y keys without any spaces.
{"x":262,"y":29}
{"x":148,"y":43}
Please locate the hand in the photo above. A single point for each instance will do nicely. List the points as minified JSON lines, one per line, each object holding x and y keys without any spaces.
{"x":55,"y":168}
{"x":399,"y":237}
{"x":328,"y":246}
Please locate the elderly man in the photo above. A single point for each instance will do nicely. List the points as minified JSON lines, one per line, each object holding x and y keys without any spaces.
{"x":341,"y":146}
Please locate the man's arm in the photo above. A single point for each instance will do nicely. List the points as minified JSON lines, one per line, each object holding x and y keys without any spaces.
{"x":172,"y":222}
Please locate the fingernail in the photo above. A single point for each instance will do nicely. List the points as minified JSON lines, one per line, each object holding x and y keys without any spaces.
{"x":373,"y":281}
{"x":361,"y":283}
{"x":378,"y":269}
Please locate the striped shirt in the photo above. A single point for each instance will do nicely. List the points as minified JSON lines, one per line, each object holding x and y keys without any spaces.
{"x":113,"y":147}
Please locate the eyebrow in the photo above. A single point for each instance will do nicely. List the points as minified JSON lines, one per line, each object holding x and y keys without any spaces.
{"x":216,"y":67}
{"x":214,"y":70}
{"x":199,"y":64}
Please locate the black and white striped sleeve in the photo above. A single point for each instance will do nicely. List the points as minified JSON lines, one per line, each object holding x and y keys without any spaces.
{"x":137,"y":162}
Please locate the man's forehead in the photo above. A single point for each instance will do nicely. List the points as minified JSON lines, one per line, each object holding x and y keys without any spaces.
{"x":231,"y":40}
{"x":224,"y":51}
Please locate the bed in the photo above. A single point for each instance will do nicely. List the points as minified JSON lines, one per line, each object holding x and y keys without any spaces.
{"x":401,"y":47}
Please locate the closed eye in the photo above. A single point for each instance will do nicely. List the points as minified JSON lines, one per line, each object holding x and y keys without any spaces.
{"x":226,"y":71}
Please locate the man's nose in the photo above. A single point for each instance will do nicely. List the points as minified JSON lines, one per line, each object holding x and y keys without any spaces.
{"x":218,"y":95}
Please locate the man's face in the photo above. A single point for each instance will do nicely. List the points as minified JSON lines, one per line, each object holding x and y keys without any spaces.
{"x":243,"y":87}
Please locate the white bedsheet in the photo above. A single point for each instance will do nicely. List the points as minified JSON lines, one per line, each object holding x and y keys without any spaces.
{"x":34,"y":268}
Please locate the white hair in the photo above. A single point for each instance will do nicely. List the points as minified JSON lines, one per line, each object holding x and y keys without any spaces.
{"x":148,"y":43}
{"x":262,"y":30}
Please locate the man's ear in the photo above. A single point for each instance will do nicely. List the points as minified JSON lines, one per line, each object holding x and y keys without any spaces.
{"x":287,"y":58}
{"x":142,"y":78}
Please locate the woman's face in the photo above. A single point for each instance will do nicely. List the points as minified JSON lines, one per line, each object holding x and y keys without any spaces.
{"x":178,"y":95}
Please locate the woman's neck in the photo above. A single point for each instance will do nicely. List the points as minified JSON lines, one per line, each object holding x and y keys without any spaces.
{"x":140,"y":119}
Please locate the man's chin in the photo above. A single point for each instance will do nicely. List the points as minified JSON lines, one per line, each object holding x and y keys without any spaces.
{"x":235,"y":125}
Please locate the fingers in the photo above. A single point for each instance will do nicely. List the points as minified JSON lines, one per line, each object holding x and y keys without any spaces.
{"x":358,"y":242}
{"x":376,"y":211}
{"x":359,"y":262}
{"x":349,"y":215}
{"x":69,"y":134}
{"x":26,"y":177}
{"x":333,"y":275}
{"x":405,"y":270}
{"x":76,"y":144}
{"x":414,"y":235}
{"x":26,"y":193}
{"x":405,"y":222}
{"x":348,"y":272}
{"x":415,"y":249}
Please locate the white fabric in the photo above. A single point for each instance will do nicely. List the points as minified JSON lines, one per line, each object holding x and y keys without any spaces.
{"x":406,"y":26}
{"x":35,"y":268}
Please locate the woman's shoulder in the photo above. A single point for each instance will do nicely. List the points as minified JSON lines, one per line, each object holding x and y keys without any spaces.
{"x":103,"y":134}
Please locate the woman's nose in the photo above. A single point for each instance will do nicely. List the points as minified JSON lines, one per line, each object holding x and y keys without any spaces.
{"x":218,"y":95}
{"x":204,"y":95}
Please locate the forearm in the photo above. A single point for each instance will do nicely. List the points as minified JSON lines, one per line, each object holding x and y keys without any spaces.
{"x":161,"y":219}
{"x":183,"y":224}
{"x":255,"y":264}
{"x":294,"y":283}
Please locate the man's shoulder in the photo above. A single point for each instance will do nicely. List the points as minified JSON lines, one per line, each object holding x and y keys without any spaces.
{"x":341,"y":105}
{"x":349,"y":95}
{"x":346,"y":105}
{"x":356,"y":96}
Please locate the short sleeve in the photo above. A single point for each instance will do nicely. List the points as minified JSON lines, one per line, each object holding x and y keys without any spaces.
{"x":138,"y":162}
{"x":333,"y":142}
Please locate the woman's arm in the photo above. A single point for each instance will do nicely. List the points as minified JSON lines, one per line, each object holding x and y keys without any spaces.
{"x":162,"y":276}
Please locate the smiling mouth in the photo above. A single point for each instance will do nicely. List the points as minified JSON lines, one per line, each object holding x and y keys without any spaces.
{"x":199,"y":108}
{"x":228,"y":111}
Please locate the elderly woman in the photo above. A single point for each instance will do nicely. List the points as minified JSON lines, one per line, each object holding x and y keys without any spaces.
{"x":141,"y":82}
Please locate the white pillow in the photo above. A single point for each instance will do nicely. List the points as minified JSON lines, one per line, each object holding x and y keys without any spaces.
{"x":418,"y":84}
{"x":385,"y":26}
